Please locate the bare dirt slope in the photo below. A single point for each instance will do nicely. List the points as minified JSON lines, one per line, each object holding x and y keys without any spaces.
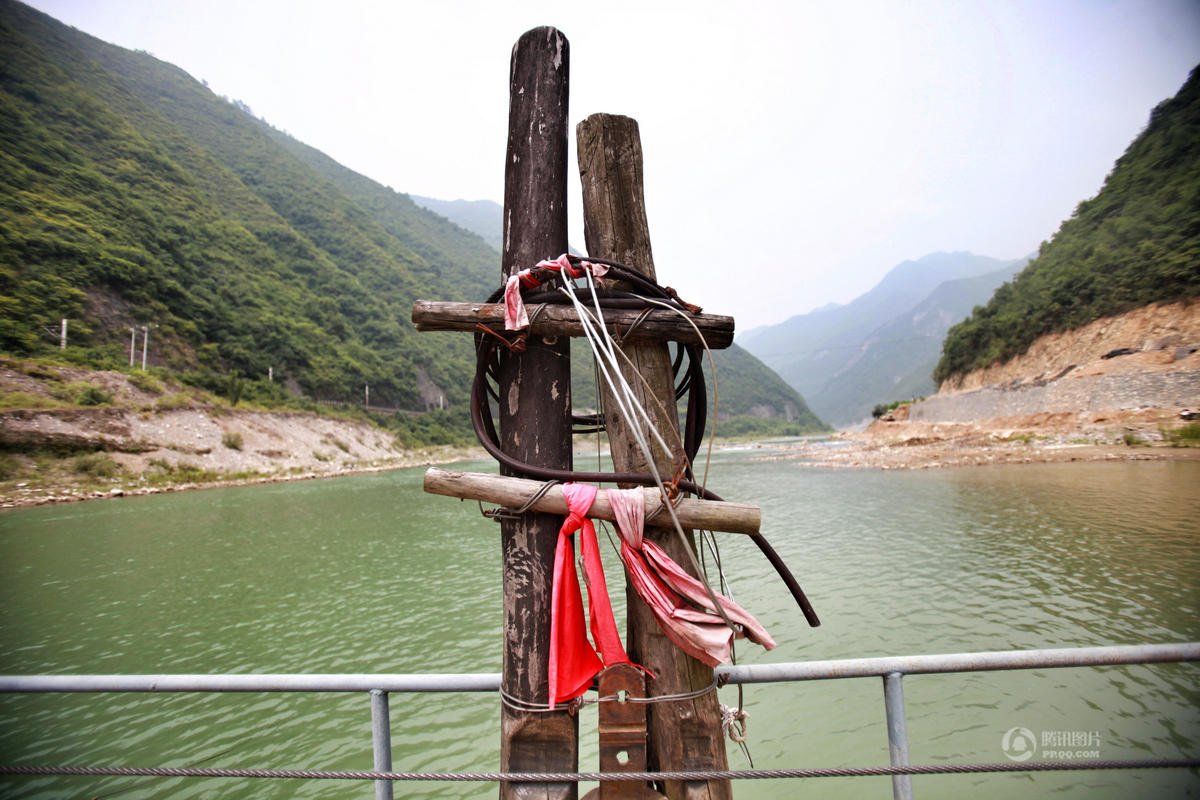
{"x":148,"y":436}
{"x":1121,"y":388}
{"x":1153,"y":333}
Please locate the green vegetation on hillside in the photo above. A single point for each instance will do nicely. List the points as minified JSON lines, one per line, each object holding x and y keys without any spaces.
{"x":1135,"y":243}
{"x":750,"y":400}
{"x":132,"y":195}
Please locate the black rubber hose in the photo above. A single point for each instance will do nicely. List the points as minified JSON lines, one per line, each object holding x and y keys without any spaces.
{"x":485,"y":430}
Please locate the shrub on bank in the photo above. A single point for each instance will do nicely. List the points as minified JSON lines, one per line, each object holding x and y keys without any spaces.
{"x":97,"y":465}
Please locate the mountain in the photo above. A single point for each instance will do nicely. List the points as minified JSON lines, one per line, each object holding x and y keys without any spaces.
{"x":749,"y":388}
{"x":1136,"y":242}
{"x":135,"y":196}
{"x":844,"y":359}
{"x":897,"y":358}
{"x":132,"y":195}
{"x":482,"y":217}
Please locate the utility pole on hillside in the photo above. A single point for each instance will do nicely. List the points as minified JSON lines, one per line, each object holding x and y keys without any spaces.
{"x":62,"y":339}
{"x":132,"y":344}
{"x":145,"y":344}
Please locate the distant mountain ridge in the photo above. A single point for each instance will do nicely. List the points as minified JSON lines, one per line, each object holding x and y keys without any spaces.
{"x":482,"y":217}
{"x":883,"y":344}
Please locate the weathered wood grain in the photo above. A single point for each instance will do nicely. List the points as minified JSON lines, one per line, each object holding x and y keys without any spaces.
{"x":554,"y":320}
{"x":683,"y":735}
{"x":514,"y":492}
{"x":535,"y":411}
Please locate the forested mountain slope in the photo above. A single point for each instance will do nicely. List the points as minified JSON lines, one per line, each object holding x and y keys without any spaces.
{"x":133,"y":195}
{"x":1134,"y":243}
{"x":896,"y":360}
{"x":484,"y":217}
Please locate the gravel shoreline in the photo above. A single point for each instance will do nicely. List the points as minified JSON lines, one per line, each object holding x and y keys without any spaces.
{"x":1033,"y":439}
{"x":14,"y":498}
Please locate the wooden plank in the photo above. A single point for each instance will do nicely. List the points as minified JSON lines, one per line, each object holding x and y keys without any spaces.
{"x":555,"y":320}
{"x":535,"y":412}
{"x":515,"y":492}
{"x":683,"y":735}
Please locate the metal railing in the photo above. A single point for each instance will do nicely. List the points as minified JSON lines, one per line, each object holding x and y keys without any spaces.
{"x":379,"y":686}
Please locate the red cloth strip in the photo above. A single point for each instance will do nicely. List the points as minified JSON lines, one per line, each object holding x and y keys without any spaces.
{"x":573,"y":660}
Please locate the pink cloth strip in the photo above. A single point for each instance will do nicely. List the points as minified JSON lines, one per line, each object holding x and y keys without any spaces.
{"x":515,"y":316}
{"x":667,"y":590}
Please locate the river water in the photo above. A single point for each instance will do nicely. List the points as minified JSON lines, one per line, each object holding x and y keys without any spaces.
{"x":367,"y":574}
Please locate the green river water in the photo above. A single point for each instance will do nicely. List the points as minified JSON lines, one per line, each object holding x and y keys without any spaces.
{"x":367,"y":574}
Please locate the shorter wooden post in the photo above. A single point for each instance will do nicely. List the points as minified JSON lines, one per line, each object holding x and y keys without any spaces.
{"x":683,"y":735}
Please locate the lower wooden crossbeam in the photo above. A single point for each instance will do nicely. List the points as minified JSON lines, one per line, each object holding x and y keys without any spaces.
{"x":515,"y":492}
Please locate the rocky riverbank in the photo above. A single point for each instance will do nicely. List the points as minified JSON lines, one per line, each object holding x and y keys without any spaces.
{"x":1123,"y":388}
{"x":146,"y":436}
{"x":1038,"y":438}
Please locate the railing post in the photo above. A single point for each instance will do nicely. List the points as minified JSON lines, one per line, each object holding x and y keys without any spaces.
{"x":897,"y":729}
{"x":381,"y":740}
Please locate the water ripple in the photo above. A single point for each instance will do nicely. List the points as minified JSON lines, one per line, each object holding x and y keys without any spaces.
{"x":367,"y":574}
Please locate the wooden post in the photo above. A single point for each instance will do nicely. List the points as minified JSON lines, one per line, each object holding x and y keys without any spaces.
{"x":535,"y":411}
{"x":683,"y":735}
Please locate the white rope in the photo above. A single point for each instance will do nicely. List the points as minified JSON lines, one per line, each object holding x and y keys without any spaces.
{"x":601,"y":343}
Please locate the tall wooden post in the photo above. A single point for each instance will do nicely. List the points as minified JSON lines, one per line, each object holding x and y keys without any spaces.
{"x":535,"y":410}
{"x":686,"y":734}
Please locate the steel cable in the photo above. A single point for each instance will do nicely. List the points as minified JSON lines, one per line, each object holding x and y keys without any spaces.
{"x":576,"y":777}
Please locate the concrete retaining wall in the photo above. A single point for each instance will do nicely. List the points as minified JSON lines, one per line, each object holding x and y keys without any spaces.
{"x":1088,"y":393}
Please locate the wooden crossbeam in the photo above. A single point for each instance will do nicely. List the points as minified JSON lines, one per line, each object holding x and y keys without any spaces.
{"x":515,"y":492}
{"x":659,"y":325}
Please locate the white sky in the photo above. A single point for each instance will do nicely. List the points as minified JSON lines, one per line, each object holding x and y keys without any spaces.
{"x":795,"y":151}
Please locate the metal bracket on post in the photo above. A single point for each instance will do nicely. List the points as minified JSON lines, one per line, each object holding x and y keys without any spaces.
{"x":622,"y":723}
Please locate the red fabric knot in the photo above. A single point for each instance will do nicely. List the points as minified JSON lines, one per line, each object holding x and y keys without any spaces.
{"x":515,"y":316}
{"x":573,"y":660}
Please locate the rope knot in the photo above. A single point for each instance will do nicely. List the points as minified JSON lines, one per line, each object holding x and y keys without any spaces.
{"x":733,"y":723}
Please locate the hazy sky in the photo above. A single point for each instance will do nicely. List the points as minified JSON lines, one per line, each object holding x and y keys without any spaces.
{"x":795,"y":151}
